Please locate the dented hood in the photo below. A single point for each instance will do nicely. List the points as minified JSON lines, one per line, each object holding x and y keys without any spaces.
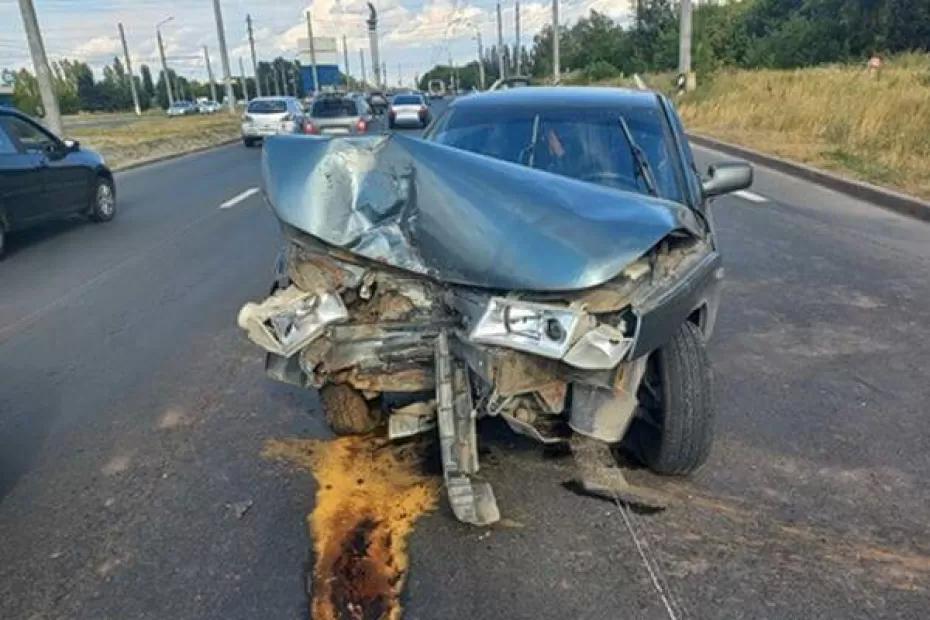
{"x":461,"y":217}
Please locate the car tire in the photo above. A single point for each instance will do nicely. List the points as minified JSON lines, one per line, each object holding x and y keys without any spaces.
{"x":248,"y":142}
{"x":2,"y":240}
{"x":674,"y":430}
{"x":103,"y":201}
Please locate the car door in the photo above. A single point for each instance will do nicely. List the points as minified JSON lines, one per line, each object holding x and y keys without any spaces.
{"x":65,"y":179}
{"x":22,"y":190}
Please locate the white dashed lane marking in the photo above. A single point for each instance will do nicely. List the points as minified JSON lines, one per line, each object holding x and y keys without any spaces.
{"x":232,"y":202}
{"x":751,"y":197}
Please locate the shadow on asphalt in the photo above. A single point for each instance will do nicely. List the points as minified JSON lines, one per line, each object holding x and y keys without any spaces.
{"x":22,"y":240}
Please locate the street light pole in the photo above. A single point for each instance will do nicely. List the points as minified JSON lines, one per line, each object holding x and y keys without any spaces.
{"x":361,"y":57}
{"x":345,"y":57}
{"x":684,"y":45}
{"x":500,"y":44}
{"x":164,"y":63}
{"x":132,"y":78}
{"x":372,"y":22}
{"x":316,"y":77}
{"x":480,"y":59}
{"x":555,"y":42}
{"x":206,"y":57}
{"x":224,"y":56}
{"x":40,"y":62}
{"x":243,"y":82}
{"x":516,"y":51}
{"x":258,"y":82}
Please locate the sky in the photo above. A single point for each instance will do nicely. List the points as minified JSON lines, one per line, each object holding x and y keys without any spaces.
{"x":415,"y":34}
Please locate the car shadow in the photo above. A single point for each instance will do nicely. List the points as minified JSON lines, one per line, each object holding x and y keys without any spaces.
{"x":21,"y":240}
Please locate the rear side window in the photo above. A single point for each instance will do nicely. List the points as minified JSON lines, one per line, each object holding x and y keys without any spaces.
{"x":334,"y":108}
{"x":268,"y":106}
{"x":28,"y":135}
{"x":6,"y":145}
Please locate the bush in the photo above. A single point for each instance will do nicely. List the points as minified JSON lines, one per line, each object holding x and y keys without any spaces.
{"x":600,"y":70}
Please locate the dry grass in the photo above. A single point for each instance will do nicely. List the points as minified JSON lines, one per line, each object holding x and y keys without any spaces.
{"x":833,"y":117}
{"x":125,"y":140}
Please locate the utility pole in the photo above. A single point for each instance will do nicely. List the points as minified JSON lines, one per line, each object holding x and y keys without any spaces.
{"x":361,"y":57}
{"x":242,"y":81}
{"x":500,"y":43}
{"x":316,"y":77}
{"x":345,"y":58}
{"x":555,"y":42}
{"x":384,"y":79}
{"x":40,"y":62}
{"x":164,"y":63}
{"x":516,"y":51}
{"x":258,"y":82}
{"x":480,"y":59}
{"x":206,"y":57}
{"x":372,"y":22}
{"x":684,"y":46}
{"x":224,"y":56}
{"x":132,"y":78}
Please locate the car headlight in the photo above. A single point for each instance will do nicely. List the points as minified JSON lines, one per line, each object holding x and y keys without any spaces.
{"x":541,"y":329}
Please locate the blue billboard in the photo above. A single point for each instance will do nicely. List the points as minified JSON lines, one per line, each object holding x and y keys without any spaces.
{"x":329,"y":76}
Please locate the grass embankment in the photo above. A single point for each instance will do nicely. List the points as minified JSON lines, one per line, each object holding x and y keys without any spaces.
{"x":124,"y":140}
{"x":874,"y":128}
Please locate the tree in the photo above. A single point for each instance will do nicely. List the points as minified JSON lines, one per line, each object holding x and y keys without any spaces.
{"x":148,"y":86}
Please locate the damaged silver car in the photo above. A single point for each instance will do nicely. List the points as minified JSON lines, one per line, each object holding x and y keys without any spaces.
{"x":545,"y":255}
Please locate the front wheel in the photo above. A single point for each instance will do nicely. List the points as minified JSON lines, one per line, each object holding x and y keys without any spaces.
{"x":674,"y":430}
{"x":103,"y":207}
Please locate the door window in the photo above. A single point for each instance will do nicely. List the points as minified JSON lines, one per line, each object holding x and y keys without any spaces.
{"x":31,"y":138}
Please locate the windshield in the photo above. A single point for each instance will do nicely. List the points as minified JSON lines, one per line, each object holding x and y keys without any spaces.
{"x":407,"y":100}
{"x":585,"y":144}
{"x":268,"y":106}
{"x":334,"y":108}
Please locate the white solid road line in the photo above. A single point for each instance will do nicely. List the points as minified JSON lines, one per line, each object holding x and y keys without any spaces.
{"x":751,"y":197}
{"x":232,"y":202}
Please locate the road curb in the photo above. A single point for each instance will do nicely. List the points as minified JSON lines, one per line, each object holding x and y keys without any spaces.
{"x":161,"y":158}
{"x":904,"y":204}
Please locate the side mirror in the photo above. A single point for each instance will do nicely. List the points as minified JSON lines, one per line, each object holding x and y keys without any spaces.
{"x":71,"y":146}
{"x":726,"y":177}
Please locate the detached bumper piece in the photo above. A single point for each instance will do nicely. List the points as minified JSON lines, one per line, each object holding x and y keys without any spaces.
{"x":472,"y":500}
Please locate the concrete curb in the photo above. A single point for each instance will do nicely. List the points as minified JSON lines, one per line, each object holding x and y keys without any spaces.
{"x":161,"y":158}
{"x":904,"y":204}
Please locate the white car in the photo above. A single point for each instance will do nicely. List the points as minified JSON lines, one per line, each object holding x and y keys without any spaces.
{"x":408,"y":110}
{"x":208,"y":107}
{"x":270,"y":116}
{"x":182,"y":108}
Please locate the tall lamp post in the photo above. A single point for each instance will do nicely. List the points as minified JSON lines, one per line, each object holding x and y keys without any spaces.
{"x":164,"y":63}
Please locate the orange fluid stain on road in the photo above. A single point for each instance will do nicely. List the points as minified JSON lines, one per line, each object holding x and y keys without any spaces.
{"x":370,"y":494}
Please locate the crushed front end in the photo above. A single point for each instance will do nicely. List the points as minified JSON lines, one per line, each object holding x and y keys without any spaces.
{"x":409,"y":290}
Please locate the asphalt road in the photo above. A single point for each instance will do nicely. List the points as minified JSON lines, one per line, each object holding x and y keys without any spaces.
{"x":132,"y":414}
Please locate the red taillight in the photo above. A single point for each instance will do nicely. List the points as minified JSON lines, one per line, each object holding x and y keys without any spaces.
{"x":422,"y":111}
{"x":391,"y":113}
{"x":312,"y":129}
{"x":361,"y":125}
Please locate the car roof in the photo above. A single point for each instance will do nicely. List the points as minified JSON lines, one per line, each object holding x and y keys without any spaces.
{"x":559,"y":97}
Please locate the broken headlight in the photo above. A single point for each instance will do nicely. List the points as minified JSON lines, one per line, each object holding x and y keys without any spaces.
{"x":535,"y":328}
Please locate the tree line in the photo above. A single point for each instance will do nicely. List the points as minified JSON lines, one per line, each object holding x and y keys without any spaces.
{"x":779,"y":34}
{"x":79,"y":90}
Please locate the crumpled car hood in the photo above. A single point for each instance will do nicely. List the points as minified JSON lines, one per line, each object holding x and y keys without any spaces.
{"x":461,"y":217}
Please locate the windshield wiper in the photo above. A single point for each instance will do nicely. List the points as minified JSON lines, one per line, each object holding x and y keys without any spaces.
{"x":530,"y":149}
{"x":639,"y":158}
